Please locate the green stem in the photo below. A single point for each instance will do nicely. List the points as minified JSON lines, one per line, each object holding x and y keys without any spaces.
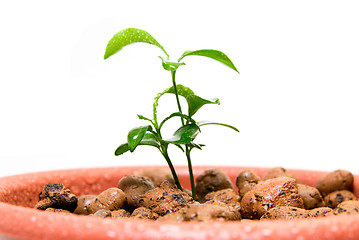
{"x":188,"y":151}
{"x":193,"y":186}
{"x":176,"y":93}
{"x":173,"y":171}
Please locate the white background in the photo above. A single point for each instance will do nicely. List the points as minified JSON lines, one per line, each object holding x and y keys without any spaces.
{"x":295,"y":100}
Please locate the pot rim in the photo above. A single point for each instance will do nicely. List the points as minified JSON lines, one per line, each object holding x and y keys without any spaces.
{"x":28,"y":219}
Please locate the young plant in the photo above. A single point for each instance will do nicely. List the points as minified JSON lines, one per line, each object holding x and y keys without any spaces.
{"x":151,"y":134}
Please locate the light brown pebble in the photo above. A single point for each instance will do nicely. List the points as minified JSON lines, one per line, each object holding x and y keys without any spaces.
{"x":347,"y":207}
{"x":104,"y":213}
{"x":204,"y":212}
{"x":321,"y":212}
{"x":120,"y":213}
{"x":285,"y":213}
{"x":334,"y":181}
{"x":290,"y":213}
{"x":134,"y":187}
{"x":83,"y":204}
{"x":279,"y":172}
{"x":245,"y":181}
{"x":311,"y":196}
{"x":57,"y":210}
{"x":276,"y":192}
{"x":227,"y":196}
{"x":164,"y":199}
{"x":144,"y":213}
{"x":110,"y":199}
{"x":334,"y":198}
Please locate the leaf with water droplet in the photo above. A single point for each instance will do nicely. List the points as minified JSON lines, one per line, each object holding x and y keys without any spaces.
{"x":194,"y":102}
{"x":169,"y":65}
{"x":149,"y":139}
{"x":129,"y":36}
{"x":214,"y":54}
{"x":136,"y":135}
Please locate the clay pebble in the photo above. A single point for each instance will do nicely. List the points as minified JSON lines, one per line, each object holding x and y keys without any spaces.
{"x":347,"y":207}
{"x":334,"y":181}
{"x":134,"y":187}
{"x":246,"y":180}
{"x":211,"y":180}
{"x":55,"y":195}
{"x":334,"y":198}
{"x":276,"y":192}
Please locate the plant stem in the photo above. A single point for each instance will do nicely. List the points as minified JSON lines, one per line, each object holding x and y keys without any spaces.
{"x":193,"y":186}
{"x":176,"y":93}
{"x":173,"y":171}
{"x":188,"y":151}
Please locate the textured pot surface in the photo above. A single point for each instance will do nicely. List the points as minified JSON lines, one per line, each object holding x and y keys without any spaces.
{"x":18,"y":194}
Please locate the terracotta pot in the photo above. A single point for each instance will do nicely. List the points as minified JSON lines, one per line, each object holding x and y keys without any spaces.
{"x":18,"y":194}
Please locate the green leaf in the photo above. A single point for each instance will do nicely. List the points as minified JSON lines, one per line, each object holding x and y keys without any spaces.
{"x":194,"y":102}
{"x":136,"y":135}
{"x":149,"y":139}
{"x":184,"y":134}
{"x":170,"y":66}
{"x":129,"y":36}
{"x":182,"y":91}
{"x":203,"y":123}
{"x":122,"y":149}
{"x":214,"y":54}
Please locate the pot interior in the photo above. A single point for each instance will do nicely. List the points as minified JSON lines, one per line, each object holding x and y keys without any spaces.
{"x":18,"y":195}
{"x":23,"y":190}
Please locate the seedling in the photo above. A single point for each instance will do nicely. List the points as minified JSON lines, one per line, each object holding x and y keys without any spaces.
{"x":185,"y":135}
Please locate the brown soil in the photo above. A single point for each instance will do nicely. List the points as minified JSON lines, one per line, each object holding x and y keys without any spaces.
{"x":152,"y":195}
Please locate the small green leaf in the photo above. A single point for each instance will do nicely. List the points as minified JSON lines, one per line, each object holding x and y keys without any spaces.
{"x":181,"y":90}
{"x":184,"y":134}
{"x":129,"y":36}
{"x":194,"y":102}
{"x":149,"y":139}
{"x":170,"y":66}
{"x":203,"y":123}
{"x":214,"y":54}
{"x":136,"y":135}
{"x":122,"y":149}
